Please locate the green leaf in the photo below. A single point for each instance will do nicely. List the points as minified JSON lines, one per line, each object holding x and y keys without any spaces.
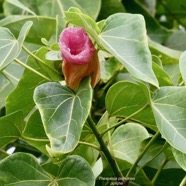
{"x":109,"y":7}
{"x":43,"y":27}
{"x":27,"y":171}
{"x":169,"y":108}
{"x":148,"y":5}
{"x":180,"y":158}
{"x":154,"y":150}
{"x":166,"y":55}
{"x":173,"y":71}
{"x":108,"y":68}
{"x":124,"y":36}
{"x":11,"y":127}
{"x":9,"y":79}
{"x":155,"y":31}
{"x":34,"y":133}
{"x":182,"y":66}
{"x":16,"y":7}
{"x":27,"y":84}
{"x":126,"y":99}
{"x":126,"y":141}
{"x":63,"y":113}
{"x":177,"y":40}
{"x":73,"y":171}
{"x":10,"y":47}
{"x":162,"y":76}
{"x":58,"y":7}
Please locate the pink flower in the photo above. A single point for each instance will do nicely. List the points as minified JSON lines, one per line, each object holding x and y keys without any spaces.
{"x":79,"y":56}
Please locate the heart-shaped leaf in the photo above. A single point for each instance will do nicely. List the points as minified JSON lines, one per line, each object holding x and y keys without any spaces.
{"x":73,"y":171}
{"x":63,"y":113}
{"x":169,"y":108}
{"x":10,"y":47}
{"x":124,"y":36}
{"x":126,"y":98}
{"x":126,"y":141}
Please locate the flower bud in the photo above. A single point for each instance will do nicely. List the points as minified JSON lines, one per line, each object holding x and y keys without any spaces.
{"x":80,"y":58}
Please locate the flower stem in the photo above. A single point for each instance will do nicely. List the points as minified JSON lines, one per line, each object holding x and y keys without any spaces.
{"x":142,"y":153}
{"x":123,"y":120}
{"x":31,"y":69}
{"x":158,"y":172}
{"x":90,"y":145}
{"x":105,"y":150}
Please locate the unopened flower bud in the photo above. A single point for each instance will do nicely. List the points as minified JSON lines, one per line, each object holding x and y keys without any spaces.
{"x":80,"y":58}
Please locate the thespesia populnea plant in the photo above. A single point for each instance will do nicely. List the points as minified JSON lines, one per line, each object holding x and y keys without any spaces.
{"x":92,"y":95}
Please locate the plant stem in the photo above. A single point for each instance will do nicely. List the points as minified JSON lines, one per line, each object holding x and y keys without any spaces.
{"x":4,"y":152}
{"x":142,"y":153}
{"x":158,"y":172}
{"x":123,"y":120}
{"x":105,"y":150}
{"x":40,"y":60}
{"x":31,"y":69}
{"x":90,"y":145}
{"x":183,"y":182}
{"x":25,"y":138}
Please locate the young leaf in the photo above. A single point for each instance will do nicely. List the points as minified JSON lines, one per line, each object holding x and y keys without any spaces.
{"x":77,"y":18}
{"x":63,"y":113}
{"x":126,"y":141}
{"x":162,"y":76}
{"x":169,"y":108}
{"x":124,"y":36}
